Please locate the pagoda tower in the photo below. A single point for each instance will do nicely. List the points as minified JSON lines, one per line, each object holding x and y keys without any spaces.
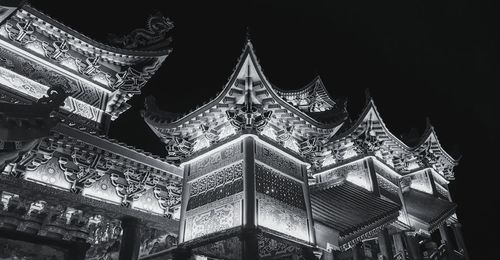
{"x":283,"y":174}
{"x":245,"y":185}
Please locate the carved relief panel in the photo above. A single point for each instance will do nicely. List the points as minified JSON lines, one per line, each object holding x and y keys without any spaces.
{"x":280,"y":197}
{"x":215,"y":160}
{"x":277,"y":160}
{"x":213,"y":220}
{"x":421,"y":182}
{"x":357,"y":173}
{"x":215,"y":192}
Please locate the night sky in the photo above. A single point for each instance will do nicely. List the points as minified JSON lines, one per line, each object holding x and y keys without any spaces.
{"x":437,"y":59}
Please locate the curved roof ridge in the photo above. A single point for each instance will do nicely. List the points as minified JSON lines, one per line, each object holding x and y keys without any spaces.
{"x":219,"y":96}
{"x":307,"y":86}
{"x":370,"y":106}
{"x":430,"y":133}
{"x":248,"y":53}
{"x":310,"y":87}
{"x":92,"y":42}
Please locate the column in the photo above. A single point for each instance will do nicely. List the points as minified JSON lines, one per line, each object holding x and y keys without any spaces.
{"x":385,"y":244}
{"x":249,"y":241}
{"x":358,"y":252}
{"x":457,"y":231}
{"x":413,"y":247}
{"x":79,"y":252}
{"x":445,"y":239}
{"x":308,"y":253}
{"x":131,"y":239}
{"x":329,"y":255}
{"x":249,"y":244}
{"x":181,"y":253}
{"x":399,"y":245}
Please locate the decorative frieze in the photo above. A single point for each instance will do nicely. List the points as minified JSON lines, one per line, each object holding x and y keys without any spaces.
{"x":280,"y":217}
{"x":387,"y":185}
{"x":269,"y":247}
{"x":83,"y":169}
{"x":214,"y":220}
{"x":215,"y":186}
{"x":277,"y":160}
{"x":214,"y":160}
{"x":136,"y":183}
{"x":356,"y":172}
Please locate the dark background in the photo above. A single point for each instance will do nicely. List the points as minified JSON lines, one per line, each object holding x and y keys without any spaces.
{"x":418,"y":58}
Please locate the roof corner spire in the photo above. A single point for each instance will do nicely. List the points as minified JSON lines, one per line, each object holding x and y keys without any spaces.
{"x":248,"y":35}
{"x":428,"y":125}
{"x":368,"y":97}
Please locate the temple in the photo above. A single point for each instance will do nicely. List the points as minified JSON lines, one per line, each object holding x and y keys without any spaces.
{"x":258,"y":172}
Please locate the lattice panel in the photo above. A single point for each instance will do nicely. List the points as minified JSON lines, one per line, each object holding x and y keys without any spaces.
{"x":277,"y":186}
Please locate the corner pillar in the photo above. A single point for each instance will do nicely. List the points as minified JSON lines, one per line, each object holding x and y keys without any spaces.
{"x":329,"y":255}
{"x":413,"y":247}
{"x":457,"y":231}
{"x":131,"y":239}
{"x":79,"y":252}
{"x":385,"y":244}
{"x":445,"y":239}
{"x":181,"y":253}
{"x":357,"y":252}
{"x":309,"y":253}
{"x":399,"y":245}
{"x":249,"y":244}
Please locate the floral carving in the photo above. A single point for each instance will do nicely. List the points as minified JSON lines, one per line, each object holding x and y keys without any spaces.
{"x":21,"y":32}
{"x":136,"y":183}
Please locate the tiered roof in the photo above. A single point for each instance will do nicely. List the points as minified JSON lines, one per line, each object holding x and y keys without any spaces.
{"x":306,"y":120}
{"x":250,"y":102}
{"x":370,"y":134}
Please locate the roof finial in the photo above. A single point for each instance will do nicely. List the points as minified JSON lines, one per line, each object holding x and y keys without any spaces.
{"x":368,"y":97}
{"x":248,"y":36}
{"x":428,"y":123}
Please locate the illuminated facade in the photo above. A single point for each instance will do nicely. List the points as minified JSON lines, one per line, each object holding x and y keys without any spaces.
{"x":66,"y":189}
{"x":277,"y":174}
{"x":256,"y":173}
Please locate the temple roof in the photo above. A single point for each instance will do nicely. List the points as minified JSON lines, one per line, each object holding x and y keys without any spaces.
{"x":249,"y":95}
{"x":248,"y":66}
{"x":311,"y":98}
{"x":431,"y":149}
{"x":351,"y":210}
{"x":100,"y":77}
{"x":427,"y":208}
{"x":371,"y":121}
{"x":369,"y":133}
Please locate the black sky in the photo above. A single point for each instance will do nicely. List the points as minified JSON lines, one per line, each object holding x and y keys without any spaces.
{"x":418,"y":58}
